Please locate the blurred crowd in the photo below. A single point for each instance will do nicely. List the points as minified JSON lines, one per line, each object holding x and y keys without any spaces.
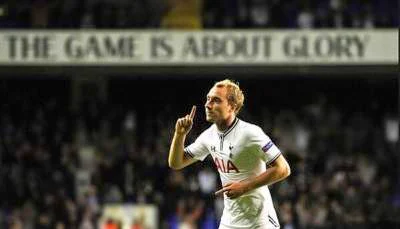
{"x":197,"y":14}
{"x":60,"y":165}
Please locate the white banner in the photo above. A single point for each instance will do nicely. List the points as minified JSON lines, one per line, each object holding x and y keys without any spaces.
{"x":208,"y":47}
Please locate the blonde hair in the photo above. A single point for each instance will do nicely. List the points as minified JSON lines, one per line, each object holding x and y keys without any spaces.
{"x":234,"y":93}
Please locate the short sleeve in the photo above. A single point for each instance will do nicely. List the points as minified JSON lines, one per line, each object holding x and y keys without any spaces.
{"x":198,"y":149}
{"x":263,"y":145}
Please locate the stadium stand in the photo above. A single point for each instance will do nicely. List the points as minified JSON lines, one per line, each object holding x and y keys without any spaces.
{"x":343,"y":153}
{"x":64,"y":156}
{"x":206,"y":13}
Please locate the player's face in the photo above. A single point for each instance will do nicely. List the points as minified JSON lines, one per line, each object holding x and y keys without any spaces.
{"x":217,"y":107}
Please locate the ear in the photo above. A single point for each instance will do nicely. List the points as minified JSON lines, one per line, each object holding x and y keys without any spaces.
{"x":233,"y":107}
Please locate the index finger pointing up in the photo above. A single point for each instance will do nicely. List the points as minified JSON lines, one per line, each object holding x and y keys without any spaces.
{"x":192,"y":112}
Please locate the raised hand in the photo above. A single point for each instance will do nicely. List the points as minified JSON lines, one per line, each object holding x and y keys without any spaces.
{"x":184,"y":125}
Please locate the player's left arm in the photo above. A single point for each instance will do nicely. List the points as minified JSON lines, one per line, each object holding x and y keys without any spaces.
{"x":278,"y":170}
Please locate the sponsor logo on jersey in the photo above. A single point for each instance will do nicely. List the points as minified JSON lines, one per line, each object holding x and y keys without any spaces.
{"x":225,"y":166}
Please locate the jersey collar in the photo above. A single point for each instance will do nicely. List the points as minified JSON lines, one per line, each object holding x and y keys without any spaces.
{"x":230,"y":128}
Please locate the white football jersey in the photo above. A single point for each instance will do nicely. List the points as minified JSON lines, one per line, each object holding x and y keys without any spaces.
{"x":240,"y":152}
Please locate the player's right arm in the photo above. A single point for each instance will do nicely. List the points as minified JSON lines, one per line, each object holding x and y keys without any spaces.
{"x":177,"y":158}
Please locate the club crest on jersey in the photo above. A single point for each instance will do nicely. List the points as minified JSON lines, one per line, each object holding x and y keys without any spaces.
{"x":225,"y":166}
{"x":230,"y":150}
{"x":213,"y":149}
{"x":267,"y":146}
